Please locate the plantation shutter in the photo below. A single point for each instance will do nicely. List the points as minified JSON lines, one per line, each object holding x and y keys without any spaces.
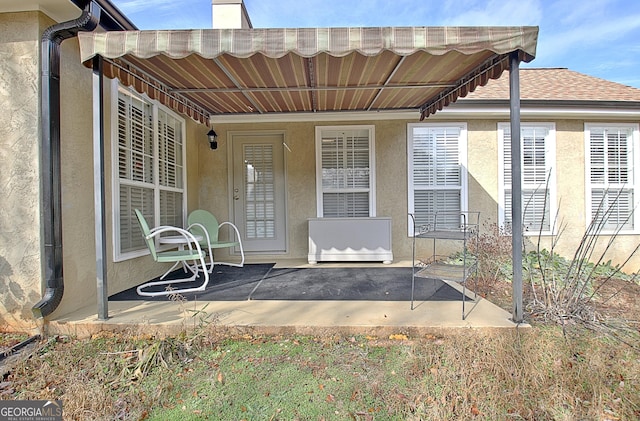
{"x":611,"y":177}
{"x":536,"y":170}
{"x":150,"y":170}
{"x":260,"y":200}
{"x":170,"y":169}
{"x":135,"y":167}
{"x":436,"y":172}
{"x":346,"y":174}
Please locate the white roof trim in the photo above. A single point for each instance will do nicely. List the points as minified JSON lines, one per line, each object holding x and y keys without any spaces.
{"x":454,"y":111}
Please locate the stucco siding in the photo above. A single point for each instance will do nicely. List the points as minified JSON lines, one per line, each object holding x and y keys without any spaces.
{"x":391,"y":181}
{"x":570,"y":170}
{"x":573,"y":218}
{"x":482,"y":165}
{"x":20,"y":178}
{"x":20,"y":264}
{"x":300,"y":159}
{"x":76,"y":154}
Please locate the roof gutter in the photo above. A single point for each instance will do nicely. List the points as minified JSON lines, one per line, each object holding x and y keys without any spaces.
{"x":50,"y":155}
{"x":572,"y":109}
{"x":111,"y":18}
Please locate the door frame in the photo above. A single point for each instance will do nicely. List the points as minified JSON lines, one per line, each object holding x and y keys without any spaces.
{"x":230,"y":182}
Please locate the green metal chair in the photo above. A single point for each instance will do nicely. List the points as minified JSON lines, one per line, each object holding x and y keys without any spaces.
{"x":203,"y":223}
{"x":192,"y":253}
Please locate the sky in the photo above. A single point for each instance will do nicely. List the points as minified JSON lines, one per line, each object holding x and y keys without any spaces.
{"x":600,"y":38}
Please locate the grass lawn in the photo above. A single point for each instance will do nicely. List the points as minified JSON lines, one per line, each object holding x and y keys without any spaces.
{"x":584,"y":371}
{"x":532,"y":374}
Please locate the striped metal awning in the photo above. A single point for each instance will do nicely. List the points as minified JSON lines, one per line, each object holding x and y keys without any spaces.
{"x":209,"y":72}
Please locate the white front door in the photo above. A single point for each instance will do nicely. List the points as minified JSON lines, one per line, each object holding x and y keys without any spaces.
{"x":259,"y":191}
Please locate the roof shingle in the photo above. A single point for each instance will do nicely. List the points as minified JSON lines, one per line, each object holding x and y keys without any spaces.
{"x":557,"y":84}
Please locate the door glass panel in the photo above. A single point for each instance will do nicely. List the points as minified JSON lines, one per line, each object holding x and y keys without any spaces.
{"x":260,"y":194}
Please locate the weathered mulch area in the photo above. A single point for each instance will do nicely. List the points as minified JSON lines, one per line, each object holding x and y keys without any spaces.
{"x":619,"y":298}
{"x":616,"y":298}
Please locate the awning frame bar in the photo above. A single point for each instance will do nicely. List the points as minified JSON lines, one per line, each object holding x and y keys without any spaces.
{"x":516,"y":188}
{"x":158,"y":85}
{"x":235,"y":82}
{"x":309,"y":88}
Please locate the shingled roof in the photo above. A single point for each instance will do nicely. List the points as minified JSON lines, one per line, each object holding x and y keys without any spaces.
{"x":556,"y":84}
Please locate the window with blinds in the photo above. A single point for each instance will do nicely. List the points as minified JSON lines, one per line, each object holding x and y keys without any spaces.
{"x":537,"y":143}
{"x":149,"y":146}
{"x":612,"y":197}
{"x":345,"y":177}
{"x":436,"y":170}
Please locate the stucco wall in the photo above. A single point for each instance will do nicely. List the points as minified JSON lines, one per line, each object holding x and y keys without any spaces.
{"x":300,"y":163}
{"x":76,"y":150}
{"x":391,"y":181}
{"x":391,"y":177}
{"x":19,"y":171}
{"x":20,"y":224}
{"x":300,"y":167}
{"x":570,"y":183}
{"x":572,"y":212}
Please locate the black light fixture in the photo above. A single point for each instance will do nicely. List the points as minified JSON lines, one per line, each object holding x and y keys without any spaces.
{"x":213,"y":139}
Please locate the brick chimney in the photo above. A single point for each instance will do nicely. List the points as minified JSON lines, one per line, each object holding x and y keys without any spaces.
{"x":230,"y":14}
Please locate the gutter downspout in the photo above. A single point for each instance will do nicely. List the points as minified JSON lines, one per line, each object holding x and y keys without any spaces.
{"x":51,"y":40}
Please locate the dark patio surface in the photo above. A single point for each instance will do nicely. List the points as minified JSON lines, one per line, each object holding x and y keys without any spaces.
{"x":264,"y":282}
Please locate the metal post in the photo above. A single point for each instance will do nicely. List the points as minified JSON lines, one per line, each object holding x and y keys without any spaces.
{"x":98,"y":189}
{"x":516,"y":186}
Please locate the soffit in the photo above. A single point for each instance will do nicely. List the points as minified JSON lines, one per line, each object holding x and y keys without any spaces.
{"x":262,"y":71}
{"x":55,"y":9}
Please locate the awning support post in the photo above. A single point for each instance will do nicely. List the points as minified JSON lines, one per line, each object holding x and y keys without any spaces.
{"x":99,"y":190}
{"x":516,"y":187}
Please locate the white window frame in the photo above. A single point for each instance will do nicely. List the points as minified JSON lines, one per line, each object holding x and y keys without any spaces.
{"x":633,"y":148}
{"x":550,"y":170}
{"x":462,"y":162}
{"x":156,"y":107}
{"x":372,"y":173}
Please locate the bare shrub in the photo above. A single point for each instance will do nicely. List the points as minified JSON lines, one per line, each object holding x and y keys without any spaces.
{"x":559,"y":289}
{"x":493,"y":251}
{"x":563,"y":290}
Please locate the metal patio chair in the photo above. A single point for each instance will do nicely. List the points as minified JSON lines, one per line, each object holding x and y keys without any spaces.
{"x":203,"y":223}
{"x":191,"y":255}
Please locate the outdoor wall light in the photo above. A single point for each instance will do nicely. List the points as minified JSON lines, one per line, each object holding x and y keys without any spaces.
{"x":213,"y":139}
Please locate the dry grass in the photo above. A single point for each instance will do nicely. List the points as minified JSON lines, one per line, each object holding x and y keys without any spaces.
{"x":537,"y":374}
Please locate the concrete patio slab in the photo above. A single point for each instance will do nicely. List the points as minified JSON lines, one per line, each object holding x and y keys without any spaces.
{"x":278,"y":317}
